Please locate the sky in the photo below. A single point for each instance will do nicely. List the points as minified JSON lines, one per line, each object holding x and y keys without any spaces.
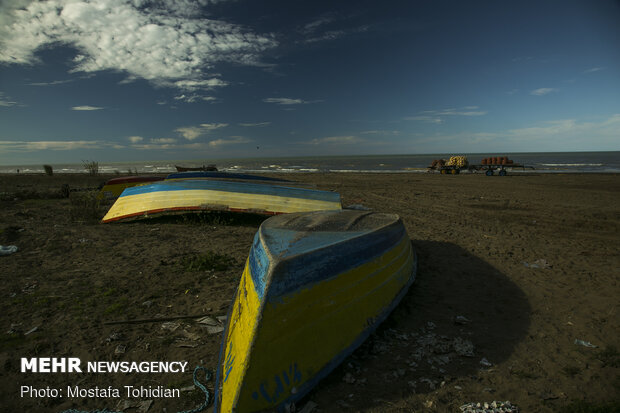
{"x":131,"y":80}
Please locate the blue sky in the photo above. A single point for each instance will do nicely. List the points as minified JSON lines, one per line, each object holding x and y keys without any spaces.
{"x":128,"y":80}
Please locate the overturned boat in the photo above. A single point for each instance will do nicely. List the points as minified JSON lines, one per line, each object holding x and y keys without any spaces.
{"x":229,"y":176}
{"x":219,"y":195}
{"x":115,"y":187}
{"x":314,"y":287}
{"x":210,"y":167}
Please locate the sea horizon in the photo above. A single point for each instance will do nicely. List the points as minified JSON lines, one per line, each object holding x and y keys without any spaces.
{"x":541,"y":162}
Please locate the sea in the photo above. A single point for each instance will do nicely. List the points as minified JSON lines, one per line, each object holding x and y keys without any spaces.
{"x":534,"y":162}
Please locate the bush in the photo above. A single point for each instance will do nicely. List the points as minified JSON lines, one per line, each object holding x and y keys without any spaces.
{"x":91,"y":167}
{"x":85,"y":206}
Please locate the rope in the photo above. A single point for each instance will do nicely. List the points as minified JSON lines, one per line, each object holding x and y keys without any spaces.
{"x":208,"y":376}
{"x":204,"y":405}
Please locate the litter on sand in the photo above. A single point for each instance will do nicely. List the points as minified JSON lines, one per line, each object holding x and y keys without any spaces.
{"x":8,"y":249}
{"x":492,"y":407}
{"x":585,"y":343}
{"x":541,"y":263}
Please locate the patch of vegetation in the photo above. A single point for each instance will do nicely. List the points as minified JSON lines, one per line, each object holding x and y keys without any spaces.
{"x":91,"y":167}
{"x":209,"y":261}
{"x":582,"y":406}
{"x":117,"y":307}
{"x":109,"y":292}
{"x":85,"y":206}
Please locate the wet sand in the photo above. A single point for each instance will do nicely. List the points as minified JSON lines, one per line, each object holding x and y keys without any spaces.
{"x":530,"y":261}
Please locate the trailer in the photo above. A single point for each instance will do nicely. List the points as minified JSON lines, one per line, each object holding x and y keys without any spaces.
{"x":489,"y":168}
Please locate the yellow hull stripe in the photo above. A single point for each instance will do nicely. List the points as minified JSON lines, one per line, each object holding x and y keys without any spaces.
{"x":133,"y":205}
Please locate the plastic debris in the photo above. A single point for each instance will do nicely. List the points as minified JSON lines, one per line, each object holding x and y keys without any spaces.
{"x":459,"y":319}
{"x":463,"y":347}
{"x":585,"y":343}
{"x":358,"y":207}
{"x":8,"y":249}
{"x":485,"y":363}
{"x":348,"y":378}
{"x":170,"y":325}
{"x":114,"y":337}
{"x":541,"y":263}
{"x":32,"y":330}
{"x":309,"y":407}
{"x":213,"y":326}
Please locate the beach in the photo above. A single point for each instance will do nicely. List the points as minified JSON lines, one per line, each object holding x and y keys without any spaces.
{"x":516,"y":295}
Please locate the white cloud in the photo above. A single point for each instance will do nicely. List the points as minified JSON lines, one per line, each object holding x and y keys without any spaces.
{"x":163,"y":140}
{"x":233,"y":140}
{"x":425,"y":118}
{"x":21,"y":146}
{"x":86,"y":108}
{"x":381,"y":132}
{"x":52,"y":83}
{"x":165,"y":42}
{"x":194,"y":98}
{"x":289,"y":101}
{"x":594,"y":69}
{"x":284,"y":101}
{"x":437,"y":116}
{"x":553,"y":135}
{"x":6,"y":101}
{"x":135,"y":139}
{"x":543,"y":91}
{"x":212,"y":126}
{"x":192,"y":132}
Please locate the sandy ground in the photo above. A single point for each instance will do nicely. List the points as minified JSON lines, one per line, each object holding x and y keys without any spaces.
{"x":530,"y":261}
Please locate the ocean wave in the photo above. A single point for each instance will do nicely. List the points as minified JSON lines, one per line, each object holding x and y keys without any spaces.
{"x":571,"y":164}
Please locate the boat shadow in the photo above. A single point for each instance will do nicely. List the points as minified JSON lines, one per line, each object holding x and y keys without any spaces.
{"x":226,"y":218}
{"x":459,"y":311}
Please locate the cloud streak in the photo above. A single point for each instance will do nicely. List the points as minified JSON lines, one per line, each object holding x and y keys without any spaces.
{"x":438,"y":116}
{"x":193,"y":132}
{"x":86,"y":108}
{"x":20,"y":146}
{"x":6,"y":101}
{"x":543,"y":91}
{"x":289,"y":101}
{"x":166,"y":42}
{"x":233,"y":140}
{"x":336,"y":140}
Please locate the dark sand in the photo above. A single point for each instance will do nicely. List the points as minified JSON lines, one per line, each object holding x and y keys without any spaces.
{"x":476,"y":237}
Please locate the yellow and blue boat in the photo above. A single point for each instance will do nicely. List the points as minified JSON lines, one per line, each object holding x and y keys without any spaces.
{"x":314,"y":287}
{"x":206,"y":194}
{"x":115,"y":187}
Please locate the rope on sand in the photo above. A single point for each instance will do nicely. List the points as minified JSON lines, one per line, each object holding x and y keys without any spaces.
{"x":204,"y":405}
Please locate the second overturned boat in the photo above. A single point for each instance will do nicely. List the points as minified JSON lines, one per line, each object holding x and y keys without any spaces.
{"x":202,"y":194}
